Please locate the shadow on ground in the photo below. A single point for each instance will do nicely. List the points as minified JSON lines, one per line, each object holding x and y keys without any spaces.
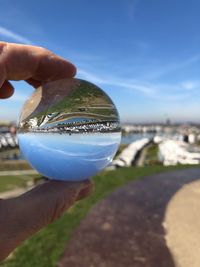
{"x":126,"y":229}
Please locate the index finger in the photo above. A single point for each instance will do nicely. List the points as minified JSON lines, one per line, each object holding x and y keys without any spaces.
{"x":31,"y":63}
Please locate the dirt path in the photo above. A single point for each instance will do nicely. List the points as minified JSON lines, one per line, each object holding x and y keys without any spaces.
{"x":153,"y":222}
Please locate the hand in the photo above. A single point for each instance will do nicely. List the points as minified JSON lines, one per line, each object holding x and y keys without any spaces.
{"x":23,"y":216}
{"x":35,"y":65}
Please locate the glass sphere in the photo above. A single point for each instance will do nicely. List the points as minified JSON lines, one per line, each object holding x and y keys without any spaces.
{"x":69,"y":130}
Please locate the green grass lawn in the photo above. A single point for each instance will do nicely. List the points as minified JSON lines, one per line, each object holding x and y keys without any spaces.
{"x":10,"y":182}
{"x":151,"y":157}
{"x":12,"y":165}
{"x":45,"y":248}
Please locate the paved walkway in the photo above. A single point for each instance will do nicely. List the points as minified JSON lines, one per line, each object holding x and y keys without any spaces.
{"x":14,"y":192}
{"x":153,"y":222}
{"x":20,"y":172}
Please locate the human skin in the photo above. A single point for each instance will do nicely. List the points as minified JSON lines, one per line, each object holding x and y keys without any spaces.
{"x":24,"y":215}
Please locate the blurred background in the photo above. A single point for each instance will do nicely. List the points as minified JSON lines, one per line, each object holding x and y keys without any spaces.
{"x":145,"y":55}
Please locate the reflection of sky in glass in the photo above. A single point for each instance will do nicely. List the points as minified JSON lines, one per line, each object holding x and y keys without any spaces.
{"x":69,"y":157}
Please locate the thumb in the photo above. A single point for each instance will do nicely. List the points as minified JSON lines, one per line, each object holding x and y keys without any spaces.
{"x":23,"y":216}
{"x":6,"y":90}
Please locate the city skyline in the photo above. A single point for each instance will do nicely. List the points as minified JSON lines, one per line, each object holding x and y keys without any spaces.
{"x":144,"y":55}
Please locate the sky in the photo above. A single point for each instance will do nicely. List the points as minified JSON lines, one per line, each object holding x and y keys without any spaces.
{"x":144,"y":54}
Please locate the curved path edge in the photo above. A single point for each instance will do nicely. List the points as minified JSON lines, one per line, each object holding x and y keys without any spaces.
{"x":126,"y":229}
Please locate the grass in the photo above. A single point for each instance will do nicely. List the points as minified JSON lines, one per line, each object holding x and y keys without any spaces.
{"x":10,"y":182}
{"x":151,"y":157}
{"x":12,"y":165}
{"x":45,"y":247}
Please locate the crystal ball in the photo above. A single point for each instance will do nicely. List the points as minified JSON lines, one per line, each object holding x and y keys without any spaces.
{"x":69,"y":130}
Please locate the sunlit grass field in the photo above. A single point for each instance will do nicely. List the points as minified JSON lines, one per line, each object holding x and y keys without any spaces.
{"x":10,"y":182}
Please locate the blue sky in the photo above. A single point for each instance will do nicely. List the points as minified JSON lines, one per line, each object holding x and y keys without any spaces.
{"x":144,"y":54}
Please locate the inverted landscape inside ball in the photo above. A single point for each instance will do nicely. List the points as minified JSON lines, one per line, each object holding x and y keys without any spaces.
{"x":69,"y":130}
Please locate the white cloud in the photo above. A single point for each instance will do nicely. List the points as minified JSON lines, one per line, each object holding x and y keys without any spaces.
{"x":171,"y":67}
{"x":14,"y":36}
{"x":90,"y":76}
{"x":190,"y":85}
{"x":125,"y":83}
{"x":157,"y":91}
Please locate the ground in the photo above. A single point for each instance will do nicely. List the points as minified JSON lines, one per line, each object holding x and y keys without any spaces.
{"x":153,"y":222}
{"x":45,"y":248}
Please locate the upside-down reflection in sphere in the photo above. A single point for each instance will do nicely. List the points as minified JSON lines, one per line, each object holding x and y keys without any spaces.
{"x":69,"y":130}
